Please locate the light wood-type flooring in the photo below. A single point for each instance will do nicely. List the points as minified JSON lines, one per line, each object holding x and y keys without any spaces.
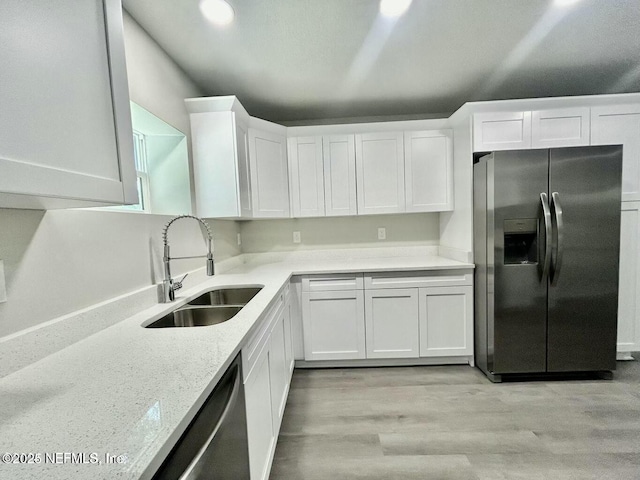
{"x":450,"y":422}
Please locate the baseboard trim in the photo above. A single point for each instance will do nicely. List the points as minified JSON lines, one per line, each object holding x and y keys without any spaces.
{"x":624,"y":357}
{"x":384,"y":362}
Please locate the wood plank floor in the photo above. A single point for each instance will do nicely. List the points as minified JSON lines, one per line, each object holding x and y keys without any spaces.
{"x":450,"y":422}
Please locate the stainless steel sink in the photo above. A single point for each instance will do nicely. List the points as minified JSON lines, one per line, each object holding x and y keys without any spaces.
{"x":197,"y":316}
{"x":226,"y":296}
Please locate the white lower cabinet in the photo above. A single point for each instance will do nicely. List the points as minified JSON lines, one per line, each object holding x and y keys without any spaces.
{"x":288,"y":338}
{"x":629,"y":284}
{"x":333,"y":323}
{"x":407,"y":315}
{"x":267,"y":378}
{"x":278,"y":371}
{"x":392,"y":323}
{"x":446,"y":314}
{"x":262,"y":439}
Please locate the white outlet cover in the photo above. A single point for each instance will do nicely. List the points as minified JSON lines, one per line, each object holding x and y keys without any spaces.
{"x":239,"y":240}
{"x":3,"y":286}
{"x":296,"y":237}
{"x":382,"y":233}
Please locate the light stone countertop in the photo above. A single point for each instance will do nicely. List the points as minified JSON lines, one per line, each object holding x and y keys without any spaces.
{"x":131,"y":391}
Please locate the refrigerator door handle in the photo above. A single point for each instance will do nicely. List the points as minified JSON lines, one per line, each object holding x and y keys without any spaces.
{"x":546,"y":213}
{"x":557,"y":260}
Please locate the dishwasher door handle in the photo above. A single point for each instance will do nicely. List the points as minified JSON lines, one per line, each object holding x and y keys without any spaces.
{"x":192,"y":472}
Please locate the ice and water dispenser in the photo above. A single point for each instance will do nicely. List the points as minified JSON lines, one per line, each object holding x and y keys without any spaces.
{"x":521,"y":241}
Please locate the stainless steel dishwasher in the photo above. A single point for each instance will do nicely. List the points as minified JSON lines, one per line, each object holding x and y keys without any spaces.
{"x":214,"y":446}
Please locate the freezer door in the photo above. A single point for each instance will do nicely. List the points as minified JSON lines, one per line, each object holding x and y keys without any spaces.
{"x":517,"y":288}
{"x":584,"y":183}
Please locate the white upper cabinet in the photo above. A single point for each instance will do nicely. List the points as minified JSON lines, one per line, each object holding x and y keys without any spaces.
{"x":221,"y":164}
{"x":501,"y":131}
{"x":560,"y":127}
{"x":620,"y":124}
{"x":240,"y":171}
{"x":339,"y":175}
{"x":306,"y":176}
{"x":565,"y":127}
{"x":65,"y":121}
{"x":269,"y":176}
{"x":428,"y":170}
{"x":380,"y":173}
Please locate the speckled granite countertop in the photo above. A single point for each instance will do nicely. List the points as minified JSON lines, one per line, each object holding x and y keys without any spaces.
{"x":131,"y":391}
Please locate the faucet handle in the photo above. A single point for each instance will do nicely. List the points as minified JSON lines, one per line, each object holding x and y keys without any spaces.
{"x":178,"y":285}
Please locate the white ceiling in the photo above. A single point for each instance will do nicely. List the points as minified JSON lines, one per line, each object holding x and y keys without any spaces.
{"x":294,"y":60}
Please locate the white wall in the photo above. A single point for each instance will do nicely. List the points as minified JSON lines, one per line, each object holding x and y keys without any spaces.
{"x":156,"y":83}
{"x":57,"y":262}
{"x":340,"y":232}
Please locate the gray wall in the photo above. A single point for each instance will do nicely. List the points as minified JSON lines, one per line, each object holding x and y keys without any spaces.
{"x":340,"y":232}
{"x":57,"y":262}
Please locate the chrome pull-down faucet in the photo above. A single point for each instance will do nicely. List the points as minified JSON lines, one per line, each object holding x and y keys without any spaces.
{"x":169,"y":286}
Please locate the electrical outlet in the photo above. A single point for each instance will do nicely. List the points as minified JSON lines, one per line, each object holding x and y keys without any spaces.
{"x":296,"y":237}
{"x":382,"y":233}
{"x":239,"y":240}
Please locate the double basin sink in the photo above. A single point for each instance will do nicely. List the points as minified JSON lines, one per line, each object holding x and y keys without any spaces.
{"x":210,"y":308}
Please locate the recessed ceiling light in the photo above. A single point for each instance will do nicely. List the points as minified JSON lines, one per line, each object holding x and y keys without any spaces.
{"x":394,"y":8}
{"x":564,"y":3}
{"x":217,"y":12}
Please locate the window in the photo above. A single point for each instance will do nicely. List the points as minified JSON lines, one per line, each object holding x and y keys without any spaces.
{"x":140,"y":156}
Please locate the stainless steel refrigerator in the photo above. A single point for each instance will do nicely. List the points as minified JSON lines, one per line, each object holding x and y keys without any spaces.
{"x":546,"y":245}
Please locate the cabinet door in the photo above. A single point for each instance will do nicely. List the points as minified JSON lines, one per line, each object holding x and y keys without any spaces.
{"x":446,"y":321}
{"x":278,"y":371}
{"x":268,"y":170}
{"x":257,"y":390}
{"x":288,"y":338}
{"x":333,"y":324}
{"x":339,"y":175}
{"x":501,"y":131}
{"x":65,"y":121}
{"x":392,"y":323}
{"x":244,"y":171}
{"x":428,"y":162}
{"x":620,"y":124}
{"x":562,"y":127}
{"x":306,"y":176}
{"x":629,"y":285}
{"x":380,"y":173}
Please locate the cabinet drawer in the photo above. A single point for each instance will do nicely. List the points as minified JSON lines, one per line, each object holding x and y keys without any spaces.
{"x":251,"y":350}
{"x":325,"y":283}
{"x":419,"y":279}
